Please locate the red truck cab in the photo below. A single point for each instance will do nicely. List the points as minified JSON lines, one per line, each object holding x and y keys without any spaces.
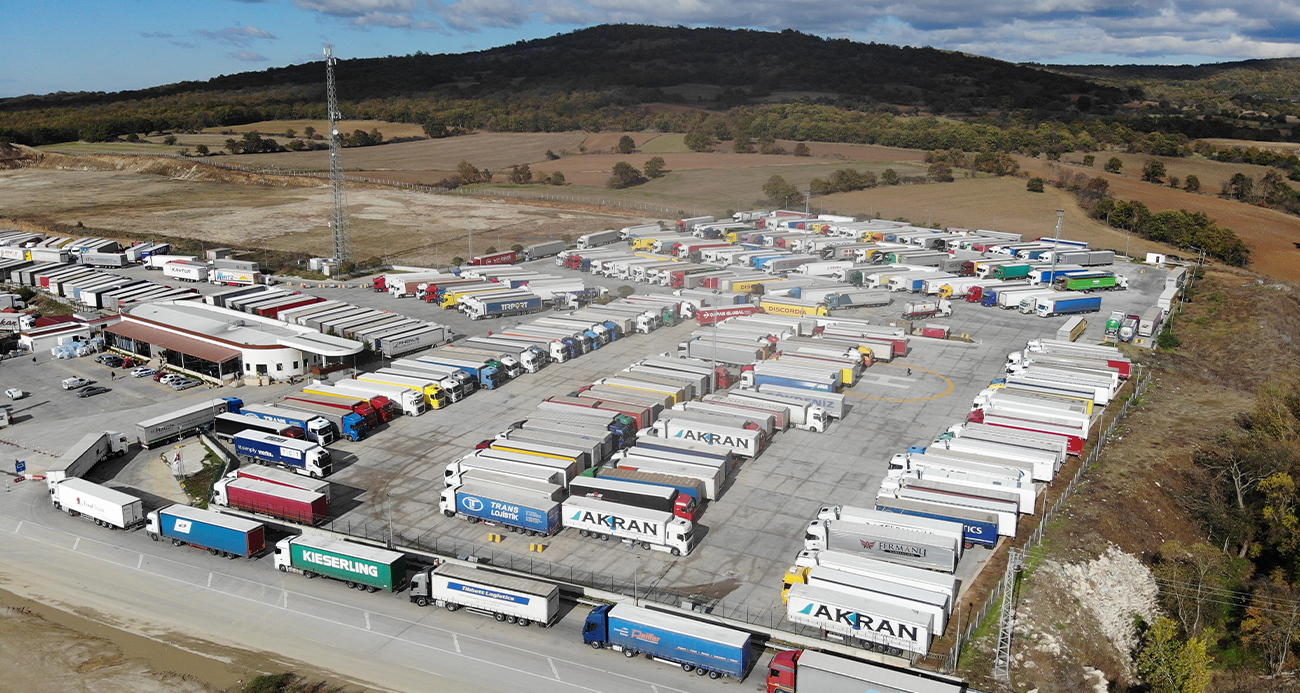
{"x":781,"y":672}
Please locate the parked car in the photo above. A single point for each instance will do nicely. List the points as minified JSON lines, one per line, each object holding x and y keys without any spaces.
{"x":169,"y":378}
{"x":74,"y":383}
{"x":142,"y":372}
{"x":110,"y":360}
{"x":179,"y":385}
{"x":15,"y":393}
{"x":92,"y":391}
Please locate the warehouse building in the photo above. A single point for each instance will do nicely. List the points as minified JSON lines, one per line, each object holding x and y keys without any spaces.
{"x":222,"y":345}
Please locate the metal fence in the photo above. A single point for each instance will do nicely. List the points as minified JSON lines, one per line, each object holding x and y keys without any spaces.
{"x":1036,"y":538}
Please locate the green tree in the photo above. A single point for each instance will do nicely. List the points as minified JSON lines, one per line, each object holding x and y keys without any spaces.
{"x":699,"y":141}
{"x":1114,"y":165}
{"x":521,"y":175}
{"x":295,"y":145}
{"x":201,"y":150}
{"x":517,"y":248}
{"x":1089,"y":159}
{"x":457,"y":261}
{"x":1034,"y":185}
{"x":470,"y":175}
{"x":779,"y":192}
{"x":434,"y":127}
{"x":1192,"y":184}
{"x":801,"y":149}
{"x":309,"y":132}
{"x":626,"y":145}
{"x":490,"y":250}
{"x":1168,"y":664}
{"x":624,"y":175}
{"x":654,"y":167}
{"x":232,"y":146}
{"x":551,"y":156}
{"x":1241,"y":187}
{"x":889,"y":177}
{"x":742,"y":145}
{"x":557,"y":178}
{"x":1198,"y":575}
{"x":1153,"y":171}
{"x":169,"y":140}
{"x":940,"y":172}
{"x":624,"y":291}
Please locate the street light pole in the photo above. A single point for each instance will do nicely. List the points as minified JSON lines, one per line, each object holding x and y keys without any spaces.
{"x":1056,"y":245}
{"x":389,"y":506}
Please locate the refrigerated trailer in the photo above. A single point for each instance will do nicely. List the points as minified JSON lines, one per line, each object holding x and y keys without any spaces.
{"x":507,"y":598}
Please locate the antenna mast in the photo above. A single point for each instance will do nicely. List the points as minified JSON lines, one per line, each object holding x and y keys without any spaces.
{"x":339,"y":220}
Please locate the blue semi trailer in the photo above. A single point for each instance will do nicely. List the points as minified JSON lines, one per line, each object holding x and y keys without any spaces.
{"x":978,"y":526}
{"x":301,"y":456}
{"x":704,"y":648}
{"x":518,"y":510}
{"x":216,"y":533}
{"x":1047,"y":308}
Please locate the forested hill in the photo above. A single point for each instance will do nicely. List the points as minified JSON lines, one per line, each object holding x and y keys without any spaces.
{"x":642,"y":63}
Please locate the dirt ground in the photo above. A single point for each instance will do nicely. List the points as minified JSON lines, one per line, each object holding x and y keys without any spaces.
{"x":62,"y":652}
{"x":1235,"y":333}
{"x":285,"y":214}
{"x":1272,"y":235}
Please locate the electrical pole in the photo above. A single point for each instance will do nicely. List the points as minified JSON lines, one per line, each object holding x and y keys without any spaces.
{"x":339,"y":220}
{"x":1056,"y":246}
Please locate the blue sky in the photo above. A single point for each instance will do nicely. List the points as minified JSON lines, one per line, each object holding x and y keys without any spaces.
{"x":103,"y":45}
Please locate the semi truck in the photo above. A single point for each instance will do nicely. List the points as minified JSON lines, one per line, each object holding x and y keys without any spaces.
{"x":1067,"y":304}
{"x":276,"y":500}
{"x":598,"y":238}
{"x":300,"y":456}
{"x":358,"y":566}
{"x":427,"y":387}
{"x":184,"y":422}
{"x":895,"y":544}
{"x":797,"y":413}
{"x":809,"y":671}
{"x":485,"y":306}
{"x":743,"y":442}
{"x":831,"y":402}
{"x":705,"y":648}
{"x":926,"y":309}
{"x":227,"y":425}
{"x":517,"y":510}
{"x":317,"y":427}
{"x":92,"y":449}
{"x":355,"y":404}
{"x":484,"y":375}
{"x":711,"y":477}
{"x":861,"y":619}
{"x":408,"y":401}
{"x":347,"y":423}
{"x":281,"y":477}
{"x":455,"y":473}
{"x":507,"y":598}
{"x":791,"y":376}
{"x":978,"y":527}
{"x":661,"y":498}
{"x":106,"y":507}
{"x":650,"y":529}
{"x":218,"y":534}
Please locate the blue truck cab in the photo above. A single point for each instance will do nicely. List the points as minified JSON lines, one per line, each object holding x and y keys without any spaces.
{"x":704,"y":648}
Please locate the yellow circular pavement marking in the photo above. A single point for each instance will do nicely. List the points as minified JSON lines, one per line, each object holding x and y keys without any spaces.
{"x":945,"y":393}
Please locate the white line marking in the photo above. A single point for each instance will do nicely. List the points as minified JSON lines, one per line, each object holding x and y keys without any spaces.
{"x":140,"y":562}
{"x":455,"y":636}
{"x":553,"y":669}
{"x":367,"y":620}
{"x":20,"y":526}
{"x":209,"y":580}
{"x":76,"y":543}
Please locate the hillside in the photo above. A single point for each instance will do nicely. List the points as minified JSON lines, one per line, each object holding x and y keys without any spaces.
{"x":1245,"y":83}
{"x":644,"y":63}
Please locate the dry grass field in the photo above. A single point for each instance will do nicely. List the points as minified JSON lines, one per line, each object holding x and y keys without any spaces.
{"x":1213,"y":174}
{"x":1272,"y":235}
{"x":493,"y":151}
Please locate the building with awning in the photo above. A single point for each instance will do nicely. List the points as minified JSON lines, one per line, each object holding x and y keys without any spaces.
{"x":224,"y":344}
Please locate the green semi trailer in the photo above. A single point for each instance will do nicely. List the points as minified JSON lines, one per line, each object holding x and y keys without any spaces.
{"x":357,"y":565}
{"x":1091,"y":282}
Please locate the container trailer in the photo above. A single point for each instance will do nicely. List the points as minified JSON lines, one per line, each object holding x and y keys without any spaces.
{"x":517,"y":510}
{"x":860,"y":564}
{"x":106,"y":507}
{"x":704,"y":648}
{"x":300,"y":456}
{"x":650,"y":529}
{"x":1066,"y":304}
{"x":218,"y":534}
{"x":507,"y":598}
{"x":276,"y":500}
{"x":861,"y":619}
{"x":347,"y":423}
{"x":906,"y":546}
{"x":89,"y":451}
{"x":809,"y":671}
{"x":356,"y":565}
{"x":455,"y":473}
{"x":712,"y":477}
{"x":408,"y":401}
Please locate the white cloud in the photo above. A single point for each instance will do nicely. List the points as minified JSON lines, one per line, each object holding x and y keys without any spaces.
{"x":247,"y":56}
{"x":1040,"y":30}
{"x":236,"y":35}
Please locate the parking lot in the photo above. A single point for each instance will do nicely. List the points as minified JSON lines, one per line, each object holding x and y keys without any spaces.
{"x":747,"y":538}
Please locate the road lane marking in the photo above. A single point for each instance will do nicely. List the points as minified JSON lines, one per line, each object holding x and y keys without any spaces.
{"x":553,"y":669}
{"x":140,"y":562}
{"x":367,"y":620}
{"x":76,"y":543}
{"x":455,"y":636}
{"x":20,"y":526}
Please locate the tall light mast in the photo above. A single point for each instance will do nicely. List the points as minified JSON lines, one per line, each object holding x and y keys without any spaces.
{"x":339,"y":219}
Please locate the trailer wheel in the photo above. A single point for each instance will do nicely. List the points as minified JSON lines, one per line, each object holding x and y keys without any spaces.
{"x":284,"y":569}
{"x":177,"y":542}
{"x":701,"y":671}
{"x":351,"y":585}
{"x":214,"y":552}
{"x":501,"y":618}
{"x":422,"y":601}
{"x":308,"y":574}
{"x":630,"y":654}
{"x":715,"y":675}
{"x":524,"y":622}
{"x":604,"y":537}
{"x":58,"y":505}
{"x":645,"y":545}
{"x":451,"y":607}
{"x":372,"y":589}
{"x":584,"y":533}
{"x":155,"y":537}
{"x":512,"y":619}
{"x":73,"y":513}
{"x":596,"y":644}
{"x":688,"y":668}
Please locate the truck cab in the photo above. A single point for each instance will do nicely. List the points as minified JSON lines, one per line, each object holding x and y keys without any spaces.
{"x":595,"y":632}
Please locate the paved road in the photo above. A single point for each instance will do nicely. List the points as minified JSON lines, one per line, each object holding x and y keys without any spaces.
{"x":373,"y":639}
